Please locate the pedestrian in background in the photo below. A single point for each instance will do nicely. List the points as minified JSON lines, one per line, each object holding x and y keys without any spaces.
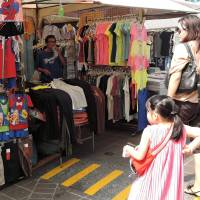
{"x":188,"y":103}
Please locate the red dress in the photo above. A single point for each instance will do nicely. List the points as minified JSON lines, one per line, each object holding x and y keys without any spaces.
{"x":9,"y":62}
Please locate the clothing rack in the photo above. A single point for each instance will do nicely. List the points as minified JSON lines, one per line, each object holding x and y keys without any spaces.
{"x":107,"y":12}
{"x":93,"y":73}
{"x":108,"y":70}
{"x":127,"y":17}
{"x":53,"y":19}
{"x":161,"y":29}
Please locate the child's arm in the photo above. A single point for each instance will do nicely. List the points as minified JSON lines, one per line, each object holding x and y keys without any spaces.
{"x":140,"y":152}
{"x":193,"y":132}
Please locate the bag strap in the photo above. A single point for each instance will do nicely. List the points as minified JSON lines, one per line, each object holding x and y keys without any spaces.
{"x":187,"y":46}
{"x":163,"y":143}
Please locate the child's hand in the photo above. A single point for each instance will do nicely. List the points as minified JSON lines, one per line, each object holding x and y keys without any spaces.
{"x":127,"y":151}
{"x":187,"y":150}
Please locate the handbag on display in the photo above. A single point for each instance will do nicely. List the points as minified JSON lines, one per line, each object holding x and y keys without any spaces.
{"x":189,"y":78}
{"x":140,"y":166}
{"x":9,"y":29}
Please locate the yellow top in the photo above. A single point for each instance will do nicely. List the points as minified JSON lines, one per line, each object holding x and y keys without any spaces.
{"x":110,"y":39}
{"x":119,"y":55}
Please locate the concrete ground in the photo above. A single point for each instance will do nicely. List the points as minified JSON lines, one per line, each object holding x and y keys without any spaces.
{"x":103,"y":175}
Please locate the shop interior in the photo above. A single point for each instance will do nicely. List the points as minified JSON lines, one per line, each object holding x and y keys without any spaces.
{"x":112,"y":64}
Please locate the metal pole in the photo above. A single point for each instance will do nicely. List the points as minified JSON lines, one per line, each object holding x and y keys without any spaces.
{"x":3,"y":60}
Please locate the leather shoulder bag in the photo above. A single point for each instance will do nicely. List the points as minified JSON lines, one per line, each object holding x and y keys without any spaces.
{"x":140,"y":166}
{"x":189,"y":77}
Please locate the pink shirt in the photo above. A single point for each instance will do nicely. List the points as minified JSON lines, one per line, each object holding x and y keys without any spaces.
{"x":102,"y":44}
{"x":137,"y":57}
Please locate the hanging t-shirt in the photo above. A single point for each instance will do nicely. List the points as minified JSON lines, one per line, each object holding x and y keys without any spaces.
{"x":114,"y":43}
{"x":9,"y":70}
{"x":51,"y":30}
{"x":110,"y":39}
{"x":139,"y":77}
{"x":119,"y":35}
{"x":127,"y":104}
{"x":126,"y":39}
{"x":138,"y":49}
{"x":102,"y":44}
{"x":142,"y":112}
{"x":110,"y":97}
{"x":19,"y":104}
{"x":157,"y":43}
{"x":4,"y":114}
{"x":167,"y":43}
{"x":70,"y":46}
{"x":29,"y":27}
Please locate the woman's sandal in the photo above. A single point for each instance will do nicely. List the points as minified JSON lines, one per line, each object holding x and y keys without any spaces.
{"x":189,"y":190}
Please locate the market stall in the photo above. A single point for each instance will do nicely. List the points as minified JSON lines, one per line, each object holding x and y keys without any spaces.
{"x":62,"y":104}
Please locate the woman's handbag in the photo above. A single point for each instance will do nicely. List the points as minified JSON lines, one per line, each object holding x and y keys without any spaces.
{"x":140,"y":166}
{"x":189,"y":77}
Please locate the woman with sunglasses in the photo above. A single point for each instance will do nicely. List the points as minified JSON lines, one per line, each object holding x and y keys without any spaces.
{"x":189,"y":32}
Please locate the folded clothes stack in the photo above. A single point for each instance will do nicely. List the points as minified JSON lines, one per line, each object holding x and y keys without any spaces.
{"x":80,"y":118}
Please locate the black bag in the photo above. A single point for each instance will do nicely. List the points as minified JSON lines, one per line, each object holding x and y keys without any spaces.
{"x":189,"y":77}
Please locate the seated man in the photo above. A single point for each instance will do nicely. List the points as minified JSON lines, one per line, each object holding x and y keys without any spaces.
{"x":50,"y":61}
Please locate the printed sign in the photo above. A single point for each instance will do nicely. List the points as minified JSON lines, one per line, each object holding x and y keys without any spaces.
{"x":11,"y":11}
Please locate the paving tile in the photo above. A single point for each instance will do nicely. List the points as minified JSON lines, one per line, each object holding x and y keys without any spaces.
{"x":46,"y":185}
{"x":28,"y":183}
{"x":15,"y":192}
{"x":44,"y":190}
{"x":63,"y":194}
{"x":67,"y":196}
{"x":39,"y":199}
{"x":5,"y":197}
{"x":41,"y":195}
{"x":45,"y":181}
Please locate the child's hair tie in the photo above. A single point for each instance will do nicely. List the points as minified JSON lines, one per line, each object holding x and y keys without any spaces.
{"x":174,"y":113}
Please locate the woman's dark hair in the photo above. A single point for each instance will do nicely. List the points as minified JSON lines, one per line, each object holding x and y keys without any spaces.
{"x":166,"y":108}
{"x":191,"y":23}
{"x":49,"y":37}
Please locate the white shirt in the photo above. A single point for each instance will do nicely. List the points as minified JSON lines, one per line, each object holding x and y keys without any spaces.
{"x":75,"y":92}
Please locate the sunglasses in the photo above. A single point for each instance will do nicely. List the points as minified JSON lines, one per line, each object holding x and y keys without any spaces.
{"x":51,"y":41}
{"x":178,"y":30}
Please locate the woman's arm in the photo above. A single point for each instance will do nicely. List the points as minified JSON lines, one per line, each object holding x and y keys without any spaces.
{"x":193,"y":132}
{"x":140,"y":152}
{"x":174,"y":82}
{"x":179,"y":60}
{"x":44,"y":70}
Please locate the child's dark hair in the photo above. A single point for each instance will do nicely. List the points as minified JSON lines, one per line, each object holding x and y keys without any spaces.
{"x":166,"y":108}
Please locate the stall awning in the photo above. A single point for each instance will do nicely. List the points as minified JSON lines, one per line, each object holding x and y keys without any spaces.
{"x":166,"y":5}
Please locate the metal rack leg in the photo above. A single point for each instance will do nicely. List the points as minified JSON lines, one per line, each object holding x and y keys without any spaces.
{"x":93,"y":141}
